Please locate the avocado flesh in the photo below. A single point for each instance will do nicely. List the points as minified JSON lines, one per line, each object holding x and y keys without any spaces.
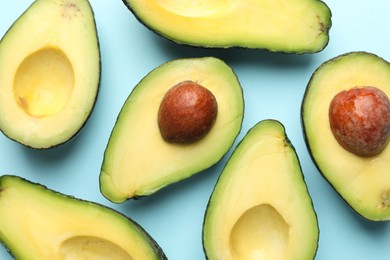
{"x":137,"y":161}
{"x":297,"y":26}
{"x":363,"y":182}
{"x":260,"y":207}
{"x":50,"y":72}
{"x":38,"y":223}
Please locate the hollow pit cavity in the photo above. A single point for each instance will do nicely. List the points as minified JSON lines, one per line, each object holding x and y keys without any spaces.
{"x":91,"y":248}
{"x":197,"y":8}
{"x":260,"y":233}
{"x":44,"y":82}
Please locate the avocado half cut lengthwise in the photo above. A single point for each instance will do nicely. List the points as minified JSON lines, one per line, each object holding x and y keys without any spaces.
{"x":363,"y":182}
{"x":297,"y":26}
{"x":260,"y":207}
{"x":50,"y":72}
{"x":138,"y":161}
{"x":39,"y":223}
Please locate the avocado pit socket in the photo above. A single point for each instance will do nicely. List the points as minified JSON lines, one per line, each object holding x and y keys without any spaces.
{"x":260,"y":233}
{"x":90,"y":247}
{"x":44,"y":82}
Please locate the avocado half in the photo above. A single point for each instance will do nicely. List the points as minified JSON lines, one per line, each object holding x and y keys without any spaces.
{"x":297,"y":26}
{"x":39,"y":223}
{"x":138,"y":161}
{"x":50,"y":73}
{"x":260,"y":207}
{"x":363,"y":182}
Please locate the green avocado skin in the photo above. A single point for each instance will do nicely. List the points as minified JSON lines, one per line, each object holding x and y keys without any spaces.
{"x":223,"y":188}
{"x":16,"y":183}
{"x":136,"y":177}
{"x":89,"y":113}
{"x":321,"y":164}
{"x":326,"y":26}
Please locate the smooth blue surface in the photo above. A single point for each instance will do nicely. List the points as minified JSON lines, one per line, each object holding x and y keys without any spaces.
{"x":273,"y":87}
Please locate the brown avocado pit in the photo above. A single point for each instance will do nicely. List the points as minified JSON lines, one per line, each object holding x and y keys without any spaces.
{"x":187,"y":113}
{"x":360,"y":120}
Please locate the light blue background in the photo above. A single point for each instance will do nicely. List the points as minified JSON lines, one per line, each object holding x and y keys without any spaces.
{"x":273,"y":86}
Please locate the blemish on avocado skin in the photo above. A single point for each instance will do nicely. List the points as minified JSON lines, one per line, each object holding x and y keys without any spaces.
{"x":385,"y":198}
{"x":70,"y":9}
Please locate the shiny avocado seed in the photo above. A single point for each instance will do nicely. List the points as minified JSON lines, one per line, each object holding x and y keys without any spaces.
{"x":360,"y":120}
{"x":187,"y":113}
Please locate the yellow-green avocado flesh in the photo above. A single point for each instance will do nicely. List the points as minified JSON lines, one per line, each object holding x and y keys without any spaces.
{"x":297,"y":26}
{"x":363,"y":182}
{"x":50,"y":72}
{"x":137,"y":161}
{"x":260,"y":207}
{"x":38,"y":223}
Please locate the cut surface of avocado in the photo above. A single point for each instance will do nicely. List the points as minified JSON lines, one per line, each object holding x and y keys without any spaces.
{"x":50,"y":72}
{"x":138,"y":161}
{"x":297,"y":26}
{"x":363,"y":182}
{"x":39,"y":223}
{"x":260,"y":207}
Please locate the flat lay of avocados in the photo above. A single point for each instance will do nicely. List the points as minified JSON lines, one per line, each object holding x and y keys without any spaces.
{"x":144,"y":129}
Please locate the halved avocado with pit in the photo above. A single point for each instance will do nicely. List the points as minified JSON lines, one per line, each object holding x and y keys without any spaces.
{"x":260,"y":207}
{"x":362,"y":181}
{"x":50,"y":72}
{"x":297,"y":26}
{"x":138,"y":161}
{"x":39,"y":223}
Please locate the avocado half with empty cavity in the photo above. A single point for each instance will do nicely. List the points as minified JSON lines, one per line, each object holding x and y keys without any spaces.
{"x":260,"y":207}
{"x":297,"y":26}
{"x":149,"y":149}
{"x":50,"y":72}
{"x":39,"y":223}
{"x":361,"y":177}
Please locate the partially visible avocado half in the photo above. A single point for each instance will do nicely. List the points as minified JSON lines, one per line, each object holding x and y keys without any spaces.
{"x":139,"y":160}
{"x":260,"y":207}
{"x":361,"y":179}
{"x":39,"y":223}
{"x":295,"y":26}
{"x":49,"y":73}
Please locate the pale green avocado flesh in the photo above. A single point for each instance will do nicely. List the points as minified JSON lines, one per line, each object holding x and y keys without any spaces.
{"x":39,"y":223}
{"x":138,"y":161}
{"x":363,"y":182}
{"x":260,"y":207}
{"x":50,"y":73}
{"x":297,"y":26}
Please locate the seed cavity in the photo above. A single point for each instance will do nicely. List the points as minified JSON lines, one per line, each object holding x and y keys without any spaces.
{"x":44,"y":82}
